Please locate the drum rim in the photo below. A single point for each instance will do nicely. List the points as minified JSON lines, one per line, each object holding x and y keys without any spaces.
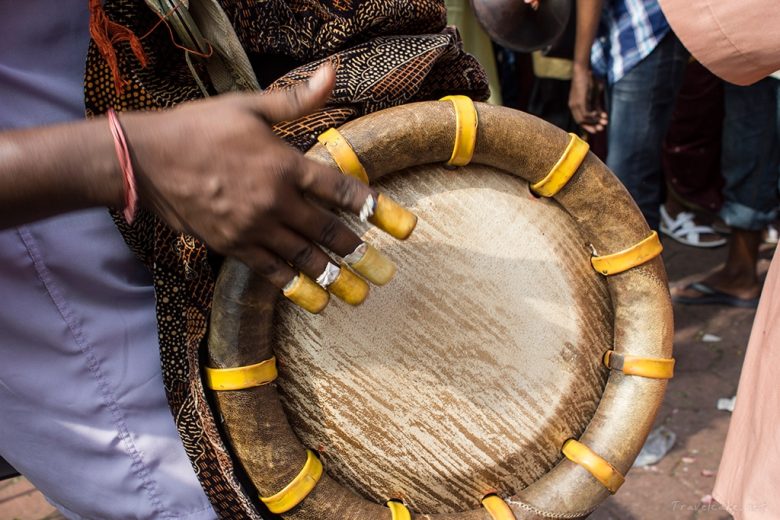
{"x":626,"y":395}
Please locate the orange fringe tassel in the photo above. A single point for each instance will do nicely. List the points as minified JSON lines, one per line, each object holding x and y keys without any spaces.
{"x":106,"y":34}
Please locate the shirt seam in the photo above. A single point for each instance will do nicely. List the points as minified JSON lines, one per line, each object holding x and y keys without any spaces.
{"x":93,"y":365}
{"x":729,"y":39}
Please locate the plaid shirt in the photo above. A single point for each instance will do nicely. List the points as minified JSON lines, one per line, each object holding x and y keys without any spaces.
{"x":629,"y":30}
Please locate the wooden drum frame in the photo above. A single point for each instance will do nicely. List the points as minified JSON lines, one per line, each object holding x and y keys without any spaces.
{"x":625,"y":251}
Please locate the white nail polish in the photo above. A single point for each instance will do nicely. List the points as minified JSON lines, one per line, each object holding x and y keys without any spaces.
{"x":367,"y":211}
{"x":356,"y":255}
{"x":329,"y":275}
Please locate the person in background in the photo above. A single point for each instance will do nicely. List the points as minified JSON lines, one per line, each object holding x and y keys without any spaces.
{"x":631,"y":45}
{"x":739,"y":42}
{"x":549,"y":95}
{"x":691,"y":157}
{"x":751,"y":167}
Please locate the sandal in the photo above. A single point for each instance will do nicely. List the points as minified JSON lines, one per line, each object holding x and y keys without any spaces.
{"x":771,"y":234}
{"x":685,"y":230}
{"x":711,"y":296}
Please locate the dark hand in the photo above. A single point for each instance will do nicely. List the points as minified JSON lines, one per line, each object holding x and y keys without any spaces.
{"x":215,"y":169}
{"x":587,"y":114}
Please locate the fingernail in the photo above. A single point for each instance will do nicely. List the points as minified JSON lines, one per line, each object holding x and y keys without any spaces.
{"x":392,"y":218}
{"x":328,"y":276}
{"x":305,"y":293}
{"x":371,"y":264}
{"x":367,"y":211}
{"x":349,"y":287}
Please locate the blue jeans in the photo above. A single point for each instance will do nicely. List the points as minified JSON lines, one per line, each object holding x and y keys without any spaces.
{"x":751,"y":154}
{"x":640,"y":106}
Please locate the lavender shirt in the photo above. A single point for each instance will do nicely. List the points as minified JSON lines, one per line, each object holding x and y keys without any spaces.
{"x":83,"y":412}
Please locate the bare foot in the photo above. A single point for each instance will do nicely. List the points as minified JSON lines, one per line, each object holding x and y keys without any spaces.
{"x":736,"y":285}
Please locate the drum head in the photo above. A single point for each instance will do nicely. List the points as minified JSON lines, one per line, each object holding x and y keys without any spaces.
{"x":467,"y":372}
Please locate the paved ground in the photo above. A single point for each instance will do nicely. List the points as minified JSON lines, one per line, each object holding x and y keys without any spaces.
{"x":675,"y":488}
{"x":19,"y":500}
{"x":679,"y":485}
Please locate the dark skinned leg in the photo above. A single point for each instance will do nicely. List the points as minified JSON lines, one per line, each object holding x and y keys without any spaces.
{"x":673,"y":207}
{"x":738,"y":277}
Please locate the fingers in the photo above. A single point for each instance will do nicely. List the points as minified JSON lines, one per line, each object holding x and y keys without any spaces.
{"x":302,"y":253}
{"x":297,"y":102}
{"x":323,"y":227}
{"x":299,"y":287}
{"x":332,"y":187}
{"x":312,"y":261}
{"x":268,"y":265}
{"x":346,"y":192}
{"x":312,"y":227}
{"x":593,"y":121}
{"x":327,"y":230}
{"x":582,"y":109}
{"x":591,"y":129}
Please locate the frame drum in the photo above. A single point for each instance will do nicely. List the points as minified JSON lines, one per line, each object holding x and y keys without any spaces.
{"x":520,"y":353}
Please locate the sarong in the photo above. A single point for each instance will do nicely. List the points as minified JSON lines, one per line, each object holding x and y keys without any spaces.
{"x":748,"y":482}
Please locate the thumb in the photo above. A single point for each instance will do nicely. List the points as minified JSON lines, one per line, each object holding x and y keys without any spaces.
{"x":297,"y":102}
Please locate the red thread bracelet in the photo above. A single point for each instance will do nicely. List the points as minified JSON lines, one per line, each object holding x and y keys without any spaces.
{"x":125,"y":164}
